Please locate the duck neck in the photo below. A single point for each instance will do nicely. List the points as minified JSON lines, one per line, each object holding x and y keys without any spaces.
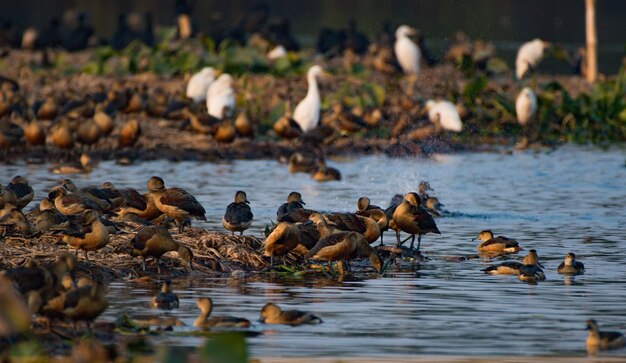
{"x":313,"y":91}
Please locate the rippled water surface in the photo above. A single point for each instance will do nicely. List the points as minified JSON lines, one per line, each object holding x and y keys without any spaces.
{"x":571,"y":199}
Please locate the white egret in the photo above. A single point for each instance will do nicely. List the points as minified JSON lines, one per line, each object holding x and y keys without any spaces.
{"x":445,"y":114}
{"x":220,"y":96}
{"x":525,"y":106}
{"x":528,"y":56}
{"x":307,"y":112}
{"x":277,"y":52}
{"x":407,"y":52}
{"x":199,"y":83}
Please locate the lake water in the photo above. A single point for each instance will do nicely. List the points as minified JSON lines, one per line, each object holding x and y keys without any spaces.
{"x":570,"y":199}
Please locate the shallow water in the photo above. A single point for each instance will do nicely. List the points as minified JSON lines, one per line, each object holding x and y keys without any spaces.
{"x":571,"y":199}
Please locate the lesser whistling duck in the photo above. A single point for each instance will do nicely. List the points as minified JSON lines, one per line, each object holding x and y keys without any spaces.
{"x":140,"y":204}
{"x":325,"y":173}
{"x":16,"y":221}
{"x":513,"y":267}
{"x":23,"y":192}
{"x":155,"y":241}
{"x":364,"y":250}
{"x":356,"y":223}
{"x":410,"y":217}
{"x":287,"y":128}
{"x":175,"y":202}
{"x":129,"y":133}
{"x":92,"y":235}
{"x":88,"y":132}
{"x":165,"y":299}
{"x":489,"y":243}
{"x":602,"y":340}
{"x":49,"y":217}
{"x":365,"y":209}
{"x":238,"y":216}
{"x":298,"y":163}
{"x":284,"y":238}
{"x":205,"y":304}
{"x":85,"y":303}
{"x":335,"y":247}
{"x":62,"y":137}
{"x":272,"y":314}
{"x":244,"y":126}
{"x":83,"y":165}
{"x":570,"y":266}
{"x":69,"y":204}
{"x":104,"y":122}
{"x":34,"y":134}
{"x":96,"y":195}
{"x":7,"y":197}
{"x":294,"y":201}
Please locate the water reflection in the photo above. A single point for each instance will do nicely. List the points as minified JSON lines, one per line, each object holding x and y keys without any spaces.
{"x":572,"y":199}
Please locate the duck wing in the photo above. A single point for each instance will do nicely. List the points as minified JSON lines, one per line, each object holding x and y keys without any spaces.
{"x":425,"y":222}
{"x":347,"y":222}
{"x":327,"y":241}
{"x":133,"y":199}
{"x":178,"y":197}
{"x":297,"y":216}
{"x":20,"y":190}
{"x":25,"y":278}
{"x":287,"y":208}
{"x":309,"y":235}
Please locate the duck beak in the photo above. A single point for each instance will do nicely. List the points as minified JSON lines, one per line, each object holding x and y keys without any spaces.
{"x":303,"y":203}
{"x":474,"y":239}
{"x":587,"y":327}
{"x":540,"y":265}
{"x":247,"y":201}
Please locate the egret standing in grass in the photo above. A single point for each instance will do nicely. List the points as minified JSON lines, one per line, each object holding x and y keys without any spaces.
{"x":525,"y":106}
{"x":307,"y":112}
{"x":220,"y":96}
{"x":199,"y":83}
{"x":528,"y":56}
{"x":445,"y":115}
{"x":407,"y":52}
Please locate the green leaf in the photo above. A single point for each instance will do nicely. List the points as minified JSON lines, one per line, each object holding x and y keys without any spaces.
{"x":225,"y":347}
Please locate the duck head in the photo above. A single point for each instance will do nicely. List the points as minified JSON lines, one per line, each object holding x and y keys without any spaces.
{"x":241,"y":197}
{"x":155,"y":184}
{"x":269,"y":311}
{"x":485,"y":235}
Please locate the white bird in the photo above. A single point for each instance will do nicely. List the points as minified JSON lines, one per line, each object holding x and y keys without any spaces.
{"x":277,"y":52}
{"x":407,"y":52}
{"x":199,"y":83}
{"x":525,"y":106}
{"x":528,"y":56}
{"x":307,"y":112}
{"x":220,"y":96}
{"x":445,"y":114}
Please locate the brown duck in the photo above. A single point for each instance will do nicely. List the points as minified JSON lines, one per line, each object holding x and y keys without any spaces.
{"x":489,"y":243}
{"x":284,"y":238}
{"x":294,"y":201}
{"x":205,"y":304}
{"x":165,"y":299}
{"x":69,"y":204}
{"x":335,"y":247}
{"x":272,"y":314}
{"x":602,"y":340}
{"x":298,"y":163}
{"x":411,"y":218}
{"x":91,"y":236}
{"x":23,"y":191}
{"x":85,"y":303}
{"x":129,"y":133}
{"x":155,"y":241}
{"x":238,"y":216}
{"x":356,"y":223}
{"x":49,"y":217}
{"x":287,"y":128}
{"x":513,"y":267}
{"x":175,"y":202}
{"x":325,"y":173}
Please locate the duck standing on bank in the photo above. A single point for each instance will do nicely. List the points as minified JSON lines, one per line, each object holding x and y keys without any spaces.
{"x":238,"y":215}
{"x":175,"y":203}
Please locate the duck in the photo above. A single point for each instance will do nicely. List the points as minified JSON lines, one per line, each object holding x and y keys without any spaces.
{"x":225,"y":132}
{"x":602,"y":340}
{"x":62,"y":137}
{"x":49,"y":217}
{"x":15,"y":313}
{"x":531,"y":273}
{"x":325,"y":173}
{"x":434,"y":207}
{"x":88,"y":132}
{"x":445,"y":115}
{"x":272,"y":314}
{"x":200,"y":123}
{"x":96,"y":195}
{"x":17,"y":222}
{"x":407,"y":52}
{"x":142,"y":205}
{"x":34,"y":134}
{"x":287,"y":128}
{"x":165,"y":299}
{"x":23,"y":191}
{"x":570,"y":266}
{"x":364,"y":250}
{"x":69,"y":204}
{"x":368,"y":227}
{"x":30,"y":278}
{"x":199,"y":83}
{"x":298,"y":163}
{"x":335,"y":247}
{"x":294,"y":201}
{"x":284,"y":238}
{"x":220,"y":96}
{"x":528,"y":56}
{"x":155,"y":241}
{"x":104,"y":121}
{"x":175,"y":202}
{"x":307,"y":112}
{"x":205,"y":304}
{"x":85,"y":303}
{"x":412,"y":218}
{"x":489,"y":243}
{"x":83,"y":165}
{"x":243,"y":126}
{"x":7,"y":196}
{"x":129,"y":133}
{"x":238,"y":216}
{"x":92,"y":235}
{"x":513,"y":267}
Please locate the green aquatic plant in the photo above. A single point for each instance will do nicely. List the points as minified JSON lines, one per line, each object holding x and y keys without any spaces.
{"x":225,"y":347}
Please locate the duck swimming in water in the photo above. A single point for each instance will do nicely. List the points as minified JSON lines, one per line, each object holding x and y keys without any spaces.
{"x":570,"y":266}
{"x":513,"y":267}
{"x":272,"y":314}
{"x":205,"y":304}
{"x":489,"y":243}
{"x":602,"y":340}
{"x":165,"y":299}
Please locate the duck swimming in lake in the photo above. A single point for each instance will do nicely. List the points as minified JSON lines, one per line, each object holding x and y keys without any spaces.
{"x":570,"y":266}
{"x":513,"y":267}
{"x":238,"y":215}
{"x":205,"y":304}
{"x":165,"y":299}
{"x":602,"y":340}
{"x":324,"y":172}
{"x":272,"y":314}
{"x":175,"y":202}
{"x":489,"y":243}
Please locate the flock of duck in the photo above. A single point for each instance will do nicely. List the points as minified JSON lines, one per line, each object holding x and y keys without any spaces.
{"x":85,"y":218}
